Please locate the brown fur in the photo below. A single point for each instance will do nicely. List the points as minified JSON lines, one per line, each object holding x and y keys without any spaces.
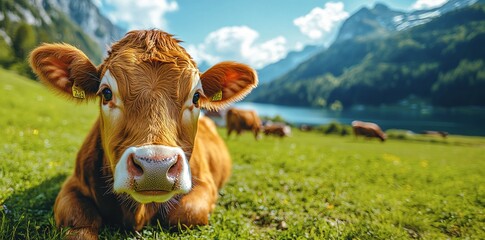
{"x":231,"y":90}
{"x":239,"y":120}
{"x":86,"y":188}
{"x":153,"y":74}
{"x":368,"y":129}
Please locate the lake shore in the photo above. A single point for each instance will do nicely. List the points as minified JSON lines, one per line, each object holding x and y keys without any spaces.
{"x":461,"y":121}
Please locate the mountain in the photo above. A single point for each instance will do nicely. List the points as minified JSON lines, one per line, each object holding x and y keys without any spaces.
{"x":292,"y":59}
{"x":89,"y":18}
{"x":369,"y":22}
{"x":441,"y":61}
{"x":381,"y":20}
{"x":452,"y":5}
{"x":25,"y":24}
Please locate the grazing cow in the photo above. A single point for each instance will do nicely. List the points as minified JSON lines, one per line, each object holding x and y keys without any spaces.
{"x":306,"y":128}
{"x":148,"y":157}
{"x":277,"y":129}
{"x":368,"y":129}
{"x":239,"y":120}
{"x":435,"y":133}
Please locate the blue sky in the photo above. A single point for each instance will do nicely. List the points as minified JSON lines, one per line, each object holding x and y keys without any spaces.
{"x":256,"y":32}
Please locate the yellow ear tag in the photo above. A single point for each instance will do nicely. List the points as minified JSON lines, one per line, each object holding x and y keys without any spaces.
{"x":217,"y":96}
{"x":78,"y":92}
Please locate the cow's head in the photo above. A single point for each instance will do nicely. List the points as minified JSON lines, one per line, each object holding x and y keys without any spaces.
{"x":150,"y":95}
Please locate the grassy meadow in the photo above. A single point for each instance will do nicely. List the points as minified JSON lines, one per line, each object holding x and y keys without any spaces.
{"x":307,"y":186}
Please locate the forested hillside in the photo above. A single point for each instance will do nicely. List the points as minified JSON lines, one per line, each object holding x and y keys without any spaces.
{"x":25,"y":24}
{"x":441,"y":62}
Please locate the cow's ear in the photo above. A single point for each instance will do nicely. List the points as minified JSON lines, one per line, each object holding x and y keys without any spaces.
{"x":65,"y":69}
{"x":225,"y":83}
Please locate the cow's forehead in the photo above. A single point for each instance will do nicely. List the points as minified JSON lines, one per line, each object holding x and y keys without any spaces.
{"x":147,"y":46}
{"x":153,"y":45}
{"x":151,"y":62}
{"x":147,"y":83}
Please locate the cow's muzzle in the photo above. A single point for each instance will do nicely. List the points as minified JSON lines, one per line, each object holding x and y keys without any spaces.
{"x":156,"y":173}
{"x":152,"y":173}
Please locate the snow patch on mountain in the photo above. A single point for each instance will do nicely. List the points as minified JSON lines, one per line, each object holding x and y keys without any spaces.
{"x":368,"y":22}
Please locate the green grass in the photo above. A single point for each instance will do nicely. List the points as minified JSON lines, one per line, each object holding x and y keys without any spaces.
{"x":308,"y":186}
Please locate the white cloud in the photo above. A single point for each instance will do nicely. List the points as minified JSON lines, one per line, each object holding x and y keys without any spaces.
{"x":321,"y":22}
{"x":138,"y":14}
{"x":427,"y":4}
{"x":299,"y":46}
{"x":238,"y":43}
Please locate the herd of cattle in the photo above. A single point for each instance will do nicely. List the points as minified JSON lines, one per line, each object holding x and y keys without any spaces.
{"x":248,"y":120}
{"x":240,"y":120}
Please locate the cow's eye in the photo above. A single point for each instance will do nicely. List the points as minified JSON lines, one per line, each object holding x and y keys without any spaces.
{"x":107,"y":94}
{"x":195,"y":99}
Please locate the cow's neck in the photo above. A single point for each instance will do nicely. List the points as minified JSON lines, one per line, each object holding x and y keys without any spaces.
{"x":95,"y":177}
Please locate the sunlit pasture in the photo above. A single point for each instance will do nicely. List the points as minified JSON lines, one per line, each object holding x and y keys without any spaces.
{"x":307,"y":186}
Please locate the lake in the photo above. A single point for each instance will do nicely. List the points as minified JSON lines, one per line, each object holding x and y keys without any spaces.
{"x":462,"y":121}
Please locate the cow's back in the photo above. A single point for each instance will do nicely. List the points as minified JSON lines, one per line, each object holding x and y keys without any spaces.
{"x":368,"y":129}
{"x":243,"y":119}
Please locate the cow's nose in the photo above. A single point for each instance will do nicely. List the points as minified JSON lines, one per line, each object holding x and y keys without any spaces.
{"x":154,"y":173}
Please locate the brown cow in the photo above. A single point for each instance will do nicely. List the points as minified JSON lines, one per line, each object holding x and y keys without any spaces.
{"x":148,"y":157}
{"x":368,"y":129}
{"x":239,"y":120}
{"x":277,"y":129}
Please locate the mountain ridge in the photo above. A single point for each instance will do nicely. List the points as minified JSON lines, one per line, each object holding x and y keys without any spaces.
{"x":382,"y":20}
{"x":25,"y":24}
{"x":425,"y":61}
{"x":90,"y":19}
{"x":376,"y":22}
{"x":292,"y":59}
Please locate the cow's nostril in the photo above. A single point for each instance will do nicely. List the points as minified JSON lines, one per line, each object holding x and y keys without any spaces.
{"x":175,"y":169}
{"x":134,"y":167}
